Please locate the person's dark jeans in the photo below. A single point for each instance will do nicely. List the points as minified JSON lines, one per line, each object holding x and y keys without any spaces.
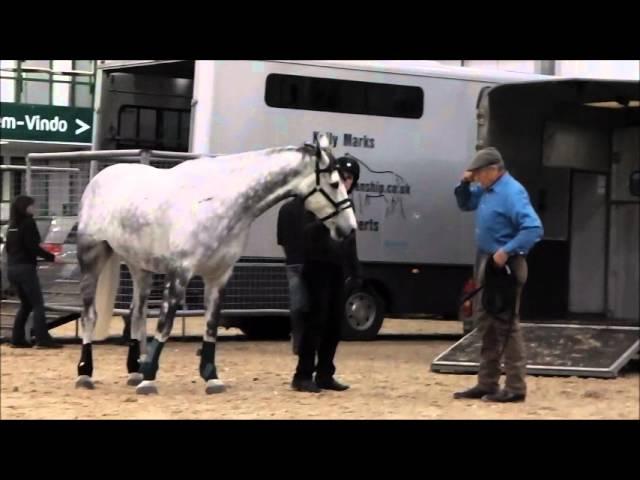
{"x":321,"y":332}
{"x":298,"y":303}
{"x":24,"y":279}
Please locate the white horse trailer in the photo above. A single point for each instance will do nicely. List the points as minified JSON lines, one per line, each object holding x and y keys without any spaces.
{"x":572,"y":143}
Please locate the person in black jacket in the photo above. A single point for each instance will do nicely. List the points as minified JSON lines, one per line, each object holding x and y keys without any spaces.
{"x":23,"y":249}
{"x":318,"y":293}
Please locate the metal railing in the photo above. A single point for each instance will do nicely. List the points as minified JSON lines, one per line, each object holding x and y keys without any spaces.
{"x":256,"y":288}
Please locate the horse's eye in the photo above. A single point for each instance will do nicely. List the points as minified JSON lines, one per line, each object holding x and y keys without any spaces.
{"x":335,"y":184}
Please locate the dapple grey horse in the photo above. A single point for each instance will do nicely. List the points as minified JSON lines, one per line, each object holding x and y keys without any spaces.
{"x":192,"y":219}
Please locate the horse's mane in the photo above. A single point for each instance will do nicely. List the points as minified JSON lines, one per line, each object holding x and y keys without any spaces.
{"x":308,"y":149}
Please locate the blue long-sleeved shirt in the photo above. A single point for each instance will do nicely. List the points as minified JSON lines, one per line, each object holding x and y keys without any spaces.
{"x":505,"y":217}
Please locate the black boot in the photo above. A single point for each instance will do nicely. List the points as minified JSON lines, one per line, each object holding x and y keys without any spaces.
{"x":475,"y":393}
{"x":504,"y":396}
{"x":304,"y":385}
{"x":330,"y":383}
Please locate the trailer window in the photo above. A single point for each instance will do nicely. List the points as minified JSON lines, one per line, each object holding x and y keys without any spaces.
{"x":344,"y":96}
{"x":153,"y":127}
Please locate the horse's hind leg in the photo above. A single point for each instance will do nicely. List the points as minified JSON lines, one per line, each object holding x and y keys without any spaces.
{"x":174,"y":292}
{"x":208,"y":370}
{"x":92,"y":257}
{"x":142,"y":280}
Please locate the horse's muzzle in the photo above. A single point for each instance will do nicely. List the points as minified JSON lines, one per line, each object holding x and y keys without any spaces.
{"x":342,"y":233}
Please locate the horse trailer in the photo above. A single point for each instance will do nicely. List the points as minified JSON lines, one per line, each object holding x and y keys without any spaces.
{"x":573,"y":143}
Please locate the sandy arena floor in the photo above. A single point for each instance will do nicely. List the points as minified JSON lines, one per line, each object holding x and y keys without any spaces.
{"x":389,"y":378}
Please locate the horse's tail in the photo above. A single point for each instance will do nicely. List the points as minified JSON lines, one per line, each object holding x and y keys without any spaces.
{"x":106,"y":291}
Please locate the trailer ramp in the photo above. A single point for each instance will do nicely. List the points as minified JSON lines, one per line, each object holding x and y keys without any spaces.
{"x":555,"y":350}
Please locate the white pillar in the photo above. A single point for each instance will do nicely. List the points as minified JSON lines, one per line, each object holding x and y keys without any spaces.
{"x":202,"y":107}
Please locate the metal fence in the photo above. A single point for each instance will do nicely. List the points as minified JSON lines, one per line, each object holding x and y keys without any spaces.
{"x":57,"y":180}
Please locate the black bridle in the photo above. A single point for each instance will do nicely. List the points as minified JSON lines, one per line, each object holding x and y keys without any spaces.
{"x":338,"y":207}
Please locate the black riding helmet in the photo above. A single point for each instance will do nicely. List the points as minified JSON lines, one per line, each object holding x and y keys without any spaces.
{"x":349,"y":165}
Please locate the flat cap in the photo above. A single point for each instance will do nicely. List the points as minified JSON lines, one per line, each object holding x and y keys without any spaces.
{"x":486,"y":157}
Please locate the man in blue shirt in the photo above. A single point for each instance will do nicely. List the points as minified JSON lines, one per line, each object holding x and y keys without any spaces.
{"x":507,"y":227}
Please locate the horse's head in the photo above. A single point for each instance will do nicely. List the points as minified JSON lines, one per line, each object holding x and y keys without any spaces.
{"x":324,"y":193}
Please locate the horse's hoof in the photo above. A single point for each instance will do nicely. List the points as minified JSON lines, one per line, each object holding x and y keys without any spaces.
{"x":134,"y":379}
{"x":147,"y":387}
{"x":214,"y":386}
{"x":84,"y":381}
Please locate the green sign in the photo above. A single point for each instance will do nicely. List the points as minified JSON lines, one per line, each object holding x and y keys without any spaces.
{"x":45,"y":123}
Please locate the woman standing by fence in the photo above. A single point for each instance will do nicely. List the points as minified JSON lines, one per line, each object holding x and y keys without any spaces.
{"x":23,"y":249}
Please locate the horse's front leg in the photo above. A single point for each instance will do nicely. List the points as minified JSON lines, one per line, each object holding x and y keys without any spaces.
{"x":174,"y":292}
{"x":208,"y":370}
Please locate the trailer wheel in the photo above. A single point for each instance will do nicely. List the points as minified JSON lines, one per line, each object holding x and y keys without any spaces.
{"x":363,"y":315}
{"x":266,"y":328}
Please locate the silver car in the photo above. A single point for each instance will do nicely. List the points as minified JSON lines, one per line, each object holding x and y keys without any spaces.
{"x":60,"y":281}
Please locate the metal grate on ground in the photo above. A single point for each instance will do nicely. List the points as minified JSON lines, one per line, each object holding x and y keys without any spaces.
{"x":555,"y":350}
{"x":254,"y":288}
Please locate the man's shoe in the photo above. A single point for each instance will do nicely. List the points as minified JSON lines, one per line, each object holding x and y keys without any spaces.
{"x":504,"y":396}
{"x":23,"y":344}
{"x":304,"y":385}
{"x":475,"y":393}
{"x":331,"y":384}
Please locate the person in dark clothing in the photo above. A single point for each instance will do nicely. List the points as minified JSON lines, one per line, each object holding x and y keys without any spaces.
{"x":321,"y":265}
{"x":23,"y":249}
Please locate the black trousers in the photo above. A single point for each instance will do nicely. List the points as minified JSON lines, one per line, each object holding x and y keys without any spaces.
{"x":322,"y":324}
{"x":298,"y":302}
{"x":24,"y":278}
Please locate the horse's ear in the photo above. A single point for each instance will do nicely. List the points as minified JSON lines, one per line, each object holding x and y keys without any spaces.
{"x":322,"y":141}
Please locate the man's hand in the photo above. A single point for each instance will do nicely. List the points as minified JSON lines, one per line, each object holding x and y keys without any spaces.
{"x":500,"y":258}
{"x":467,"y":176}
